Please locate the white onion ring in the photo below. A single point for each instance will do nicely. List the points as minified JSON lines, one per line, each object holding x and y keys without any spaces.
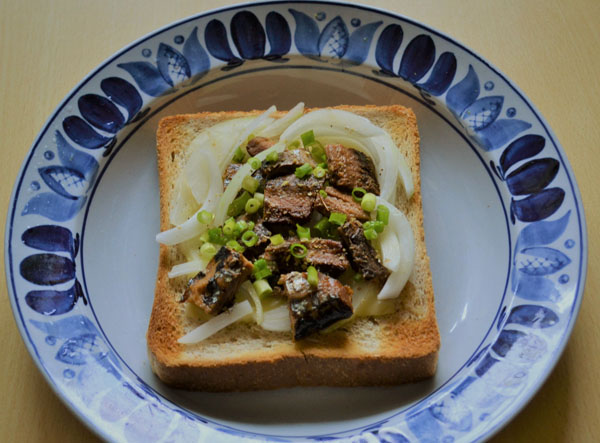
{"x":215,"y":324}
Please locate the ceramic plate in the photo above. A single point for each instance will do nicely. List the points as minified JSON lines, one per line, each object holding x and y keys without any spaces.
{"x":503,"y":218}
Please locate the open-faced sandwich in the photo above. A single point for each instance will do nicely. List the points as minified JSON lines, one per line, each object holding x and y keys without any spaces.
{"x":292,"y":250}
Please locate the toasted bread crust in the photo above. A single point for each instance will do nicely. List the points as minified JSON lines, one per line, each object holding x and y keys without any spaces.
{"x":392,"y":349}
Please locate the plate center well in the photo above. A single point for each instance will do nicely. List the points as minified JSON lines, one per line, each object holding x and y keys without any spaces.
{"x":465,"y":229}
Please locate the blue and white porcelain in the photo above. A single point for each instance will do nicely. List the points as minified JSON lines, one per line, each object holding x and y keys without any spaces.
{"x":503,"y":217}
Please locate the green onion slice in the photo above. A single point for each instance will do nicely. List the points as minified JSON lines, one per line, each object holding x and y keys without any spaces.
{"x":370,"y":234}
{"x":254,"y":162}
{"x":383,"y":214}
{"x":249,"y":238}
{"x":358,"y":194}
{"x":308,"y":137}
{"x":252,"y":206}
{"x":205,"y":217}
{"x":319,"y":172}
{"x":250,"y":184}
{"x":303,"y":233}
{"x":298,"y":250}
{"x":303,"y":171}
{"x":277,"y":239}
{"x":233,"y":244}
{"x":337,"y":218}
{"x":262,"y":288}
{"x":369,"y":201}
{"x":312,"y":276}
{"x":208,"y":250}
{"x":237,"y":206}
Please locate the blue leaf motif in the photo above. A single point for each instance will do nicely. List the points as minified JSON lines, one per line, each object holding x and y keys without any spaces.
{"x":53,"y":206}
{"x":537,"y":206}
{"x":76,"y":160}
{"x":77,"y":350}
{"x":50,"y":238}
{"x":391,"y":435}
{"x":172,"y":65}
{"x":49,"y":302}
{"x":122,"y":93}
{"x":483,"y":112}
{"x":64,"y":181}
{"x":486,"y":363}
{"x":47,"y":269}
{"x":66,"y":327}
{"x":478,"y":355}
{"x":82,"y":133}
{"x":540,"y":260}
{"x":441,"y":76}
{"x":524,"y":147}
{"x":463,"y":93}
{"x":533,"y":176}
{"x":424,"y":425}
{"x":215,"y":36}
{"x":279,"y":35}
{"x":542,"y":232}
{"x":248,"y":35}
{"x":417,"y":59}
{"x":334,"y":39}
{"x":360,"y":42}
{"x":533,"y":316}
{"x":147,"y":77}
{"x":101,"y":113}
{"x":500,"y":132}
{"x":388,"y":44}
{"x":306,"y":36}
{"x":534,"y":288}
{"x":453,"y":412}
{"x":196,"y":56}
{"x":506,"y":340}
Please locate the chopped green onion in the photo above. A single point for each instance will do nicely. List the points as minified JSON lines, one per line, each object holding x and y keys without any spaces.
{"x":298,"y":250}
{"x":262,"y":288}
{"x":205,"y":217}
{"x":323,"y":165}
{"x":337,"y":218}
{"x":254,"y":162}
{"x":252,"y":206}
{"x":303,"y":233}
{"x":228,"y":227}
{"x":249,"y":238}
{"x":318,"y":152}
{"x":215,"y":235}
{"x":260,"y":197}
{"x":323,"y":193}
{"x":370,"y":234}
{"x":277,"y":239}
{"x":250,"y":184}
{"x":295,"y":144}
{"x":322,"y":226}
{"x":241,"y":226}
{"x":383,"y":214}
{"x":272,"y":157}
{"x":237,"y":206}
{"x":303,"y":171}
{"x":261,"y":263}
{"x":208,"y":250}
{"x":308,"y":137}
{"x":263,"y":273}
{"x":319,"y":172}
{"x":233,"y":244}
{"x":251,"y":225}
{"x":239,"y":155}
{"x":357,"y":277}
{"x":376,"y":225}
{"x":312,"y":276}
{"x":358,"y":194}
{"x":204,"y":237}
{"x":368,"y":202}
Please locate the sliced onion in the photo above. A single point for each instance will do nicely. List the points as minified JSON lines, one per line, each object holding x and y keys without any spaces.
{"x":278,"y":126}
{"x":183,"y":204}
{"x":215,"y":324}
{"x":253,"y":126}
{"x":247,"y":290}
{"x":235,"y":184}
{"x":388,"y":243}
{"x":406,"y":252}
{"x":344,"y":120}
{"x":192,"y":227}
{"x":187,"y":268}
{"x":197,"y":175}
{"x":277,"y":319}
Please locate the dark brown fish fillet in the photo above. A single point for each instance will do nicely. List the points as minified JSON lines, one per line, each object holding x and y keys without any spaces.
{"x":314,"y":309}
{"x":214,"y":289}
{"x":337,"y":201}
{"x":362,"y":255}
{"x":350,"y":169}
{"x":289,"y":199}
{"x":258,"y":145}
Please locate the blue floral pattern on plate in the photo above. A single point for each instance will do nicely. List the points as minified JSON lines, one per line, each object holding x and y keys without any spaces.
{"x":43,"y":229}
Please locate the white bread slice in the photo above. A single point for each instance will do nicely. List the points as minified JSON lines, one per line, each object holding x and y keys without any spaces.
{"x":391,"y":349}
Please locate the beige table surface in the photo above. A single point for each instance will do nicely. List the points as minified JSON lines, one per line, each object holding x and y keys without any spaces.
{"x":550,"y":48}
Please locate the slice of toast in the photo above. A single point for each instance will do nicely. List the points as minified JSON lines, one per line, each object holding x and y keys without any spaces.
{"x":391,"y":349}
